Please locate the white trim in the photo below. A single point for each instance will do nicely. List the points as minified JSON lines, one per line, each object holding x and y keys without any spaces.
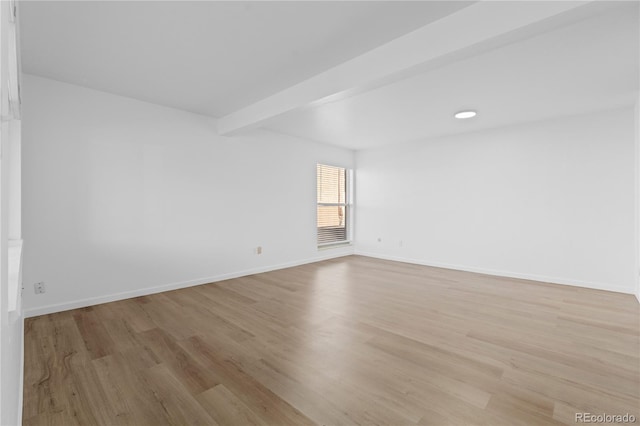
{"x":500,"y":273}
{"x":21,"y":382}
{"x":636,"y":145}
{"x":48,"y":309}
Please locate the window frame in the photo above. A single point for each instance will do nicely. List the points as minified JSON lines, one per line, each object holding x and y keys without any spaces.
{"x":347,"y":205}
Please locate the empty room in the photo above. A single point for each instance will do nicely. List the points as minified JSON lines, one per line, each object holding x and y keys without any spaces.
{"x":319,"y":212}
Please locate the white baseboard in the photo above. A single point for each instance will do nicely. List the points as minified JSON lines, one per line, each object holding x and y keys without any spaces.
{"x":499,"y":273}
{"x":49,"y":309}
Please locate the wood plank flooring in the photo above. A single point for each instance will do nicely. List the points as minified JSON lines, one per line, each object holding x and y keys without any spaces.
{"x":348,"y":341}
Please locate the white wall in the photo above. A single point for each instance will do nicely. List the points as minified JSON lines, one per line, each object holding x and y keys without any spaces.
{"x":121,"y":197}
{"x":551,"y":201}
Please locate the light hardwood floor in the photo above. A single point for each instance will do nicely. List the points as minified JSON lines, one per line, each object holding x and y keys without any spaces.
{"x":347,"y":341}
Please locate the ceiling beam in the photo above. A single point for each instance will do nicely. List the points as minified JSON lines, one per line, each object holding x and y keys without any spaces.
{"x":480,"y":26}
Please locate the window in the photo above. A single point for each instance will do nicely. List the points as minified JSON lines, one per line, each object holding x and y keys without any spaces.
{"x":333,"y":205}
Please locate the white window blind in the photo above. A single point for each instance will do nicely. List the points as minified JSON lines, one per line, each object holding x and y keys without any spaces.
{"x":333,"y":206}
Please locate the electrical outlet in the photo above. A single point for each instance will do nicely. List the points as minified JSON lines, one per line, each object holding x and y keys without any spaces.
{"x":258,"y":250}
{"x":379,"y":239}
{"x":39,"y":288}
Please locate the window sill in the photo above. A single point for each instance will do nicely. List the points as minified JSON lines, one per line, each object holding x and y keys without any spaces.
{"x":335,"y":245}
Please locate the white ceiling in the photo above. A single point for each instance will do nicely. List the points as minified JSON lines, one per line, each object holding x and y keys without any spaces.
{"x":206,"y":57}
{"x":216,"y":58}
{"x":586,"y":66}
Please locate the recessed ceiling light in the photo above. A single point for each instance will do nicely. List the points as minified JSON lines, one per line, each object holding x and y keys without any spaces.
{"x":464,"y":114}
